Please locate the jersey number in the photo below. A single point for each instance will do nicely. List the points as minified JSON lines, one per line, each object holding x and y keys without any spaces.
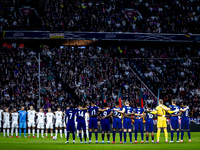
{"x":70,"y":117}
{"x":104,"y":113}
{"x":93,"y":112}
{"x":80,"y":113}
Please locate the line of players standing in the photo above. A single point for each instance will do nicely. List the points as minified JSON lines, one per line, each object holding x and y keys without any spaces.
{"x":80,"y":116}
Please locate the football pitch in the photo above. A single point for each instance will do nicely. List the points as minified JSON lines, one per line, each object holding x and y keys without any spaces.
{"x":59,"y":144}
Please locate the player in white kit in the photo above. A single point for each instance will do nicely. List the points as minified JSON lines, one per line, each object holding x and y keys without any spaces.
{"x":49,"y":125}
{"x":1,"y":112}
{"x":6,"y":122}
{"x":86,"y":122}
{"x":40,"y":122}
{"x":15,"y":118}
{"x":59,"y":124}
{"x":31,"y":121}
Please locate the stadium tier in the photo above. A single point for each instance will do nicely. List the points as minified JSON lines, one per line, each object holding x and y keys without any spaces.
{"x":143,"y":16}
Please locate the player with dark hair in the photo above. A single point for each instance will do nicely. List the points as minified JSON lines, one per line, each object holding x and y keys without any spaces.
{"x":174,"y":120}
{"x":93,"y":113}
{"x":149,"y":123}
{"x":70,"y":116}
{"x":105,"y":122}
{"x":184,"y":121}
{"x":117,"y":121}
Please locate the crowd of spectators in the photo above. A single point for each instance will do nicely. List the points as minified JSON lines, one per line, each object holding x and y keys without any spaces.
{"x":73,"y":75}
{"x":180,"y":16}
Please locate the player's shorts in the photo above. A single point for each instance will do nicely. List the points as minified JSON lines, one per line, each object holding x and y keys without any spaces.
{"x":117,"y":124}
{"x":174,"y":124}
{"x":139,"y":124}
{"x":0,"y":123}
{"x":162,"y":122}
{"x":93,"y":123}
{"x":15,"y":125}
{"x":127,"y":123}
{"x":71,"y":126}
{"x":22,"y":125}
{"x":105,"y":125}
{"x":149,"y":125}
{"x":6,"y":125}
{"x":185,"y":123}
{"x":40,"y":125}
{"x":31,"y":124}
{"x":81,"y":125}
{"x":58,"y":124}
{"x":49,"y":125}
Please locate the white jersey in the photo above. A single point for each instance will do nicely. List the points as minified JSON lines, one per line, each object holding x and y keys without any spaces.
{"x":31,"y":115}
{"x":6,"y":117}
{"x":41,"y":117}
{"x":58,"y":115}
{"x":15,"y":117}
{"x":1,"y":112}
{"x":50,"y":117}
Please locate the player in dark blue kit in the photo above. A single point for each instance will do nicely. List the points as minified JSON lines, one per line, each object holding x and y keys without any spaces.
{"x":139,"y":122}
{"x":106,"y":113}
{"x":117,"y":122}
{"x":174,"y":120}
{"x":149,"y":123}
{"x":93,"y":113}
{"x":127,"y":120}
{"x":70,"y":116}
{"x":81,"y":124}
{"x":184,"y":121}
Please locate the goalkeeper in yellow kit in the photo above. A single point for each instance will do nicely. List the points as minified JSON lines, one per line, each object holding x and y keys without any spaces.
{"x":162,"y":121}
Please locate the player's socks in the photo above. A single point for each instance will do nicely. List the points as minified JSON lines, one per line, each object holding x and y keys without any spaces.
{"x":42,"y":132}
{"x":135,"y":135}
{"x":96,"y":135}
{"x":60,"y":133}
{"x":68,"y":136}
{"x":29,"y":132}
{"x":46,"y":134}
{"x":178,"y":135}
{"x":172,"y":135}
{"x":56,"y":132}
{"x":73,"y":136}
{"x":158,"y":135}
{"x":80,"y":136}
{"x":90,"y":135}
{"x":87,"y":133}
{"x":38,"y":133}
{"x":77,"y":133}
{"x":152,"y":138}
{"x":130,"y":136}
{"x":142,"y":135}
{"x":182,"y":134}
{"x":147,"y":139}
{"x":33,"y":131}
{"x":85,"y":136}
{"x":65,"y":133}
{"x":20,"y":132}
{"x":16,"y":132}
{"x":24,"y":132}
{"x":166,"y":134}
{"x":124,"y":136}
{"x":108,"y":137}
{"x":12,"y":131}
{"x":4,"y":132}
{"x":120,"y":133}
{"x":113,"y":136}
{"x":52,"y":134}
{"x":189,"y":134}
{"x":102,"y":135}
{"x":7,"y":132}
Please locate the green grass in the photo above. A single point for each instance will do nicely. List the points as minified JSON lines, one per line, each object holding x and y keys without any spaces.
{"x":59,"y":144}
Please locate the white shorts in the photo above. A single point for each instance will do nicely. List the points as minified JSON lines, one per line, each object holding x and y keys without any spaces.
{"x":15,"y":125}
{"x":40,"y":125}
{"x":49,"y":125}
{"x":6,"y":125}
{"x":58,"y":124}
{"x":31,"y":124}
